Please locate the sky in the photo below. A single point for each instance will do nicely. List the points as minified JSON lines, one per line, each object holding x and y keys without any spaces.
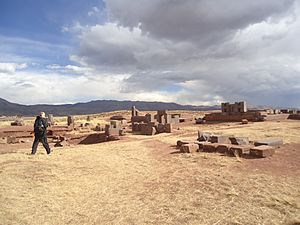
{"x":200,"y":52}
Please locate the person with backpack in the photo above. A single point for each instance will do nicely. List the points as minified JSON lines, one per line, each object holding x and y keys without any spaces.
{"x":40,"y":133}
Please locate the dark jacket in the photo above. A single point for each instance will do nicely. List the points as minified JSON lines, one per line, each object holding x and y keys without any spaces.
{"x":40,"y":126}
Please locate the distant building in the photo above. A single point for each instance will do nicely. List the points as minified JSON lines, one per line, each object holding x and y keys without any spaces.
{"x":237,"y":107}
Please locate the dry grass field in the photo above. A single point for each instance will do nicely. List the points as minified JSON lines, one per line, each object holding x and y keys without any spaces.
{"x":145,"y":180}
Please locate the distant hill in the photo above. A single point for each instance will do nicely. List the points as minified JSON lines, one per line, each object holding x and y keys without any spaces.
{"x":98,"y":106}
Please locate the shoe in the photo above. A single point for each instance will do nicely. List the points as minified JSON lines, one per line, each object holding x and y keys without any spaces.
{"x":49,"y":153}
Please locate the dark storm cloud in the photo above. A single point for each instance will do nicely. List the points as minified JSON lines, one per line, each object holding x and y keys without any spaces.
{"x":196,"y":20}
{"x":213,"y":50}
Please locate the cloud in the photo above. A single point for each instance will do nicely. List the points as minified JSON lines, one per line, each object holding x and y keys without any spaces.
{"x":201,"y":21}
{"x":209,"y":51}
{"x":93,"y":11}
{"x":70,"y":69}
{"x":11,"y":67}
{"x":34,"y":87}
{"x":191,"y":52}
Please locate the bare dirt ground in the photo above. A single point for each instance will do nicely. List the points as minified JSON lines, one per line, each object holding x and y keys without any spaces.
{"x":145,"y":180}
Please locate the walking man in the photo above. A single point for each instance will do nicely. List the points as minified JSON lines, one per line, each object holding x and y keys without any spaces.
{"x":40,"y":133}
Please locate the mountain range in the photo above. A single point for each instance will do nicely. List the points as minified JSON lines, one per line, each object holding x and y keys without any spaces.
{"x":11,"y":109}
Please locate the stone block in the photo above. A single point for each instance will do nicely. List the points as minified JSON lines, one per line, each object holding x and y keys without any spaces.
{"x":168,"y":128}
{"x":12,"y":140}
{"x":148,"y":129}
{"x":239,"y":140}
{"x":123,"y":123}
{"x":70,"y":120}
{"x":162,"y":112}
{"x":201,"y":144}
{"x":160,"y":128}
{"x":222,"y":148}
{"x":167,"y":118}
{"x":189,"y":148}
{"x":117,"y":117}
{"x":220,"y":139}
{"x":204,"y":136}
{"x":143,"y":127}
{"x":262,"y":151}
{"x":51,"y":119}
{"x":99,"y":128}
{"x":183,"y":142}
{"x":62,"y":143}
{"x":160,"y":116}
{"x":138,"y":119}
{"x":134,"y":111}
{"x":274,"y":142}
{"x":294,"y":117}
{"x":210,"y":147}
{"x":18,"y":122}
{"x":245,"y":121}
{"x":175,"y":119}
{"x":136,"y":127}
{"x":112,"y":131}
{"x":153,"y":124}
{"x":93,"y":138}
{"x":239,"y":150}
{"x":150,"y":118}
{"x":200,"y":120}
{"x":115,"y":124}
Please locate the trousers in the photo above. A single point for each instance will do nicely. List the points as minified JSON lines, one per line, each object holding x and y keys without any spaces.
{"x":44,"y":141}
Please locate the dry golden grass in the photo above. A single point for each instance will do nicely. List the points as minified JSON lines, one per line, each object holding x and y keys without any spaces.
{"x":138,"y":181}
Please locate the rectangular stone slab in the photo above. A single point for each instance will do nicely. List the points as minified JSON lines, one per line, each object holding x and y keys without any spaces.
{"x":275,"y":142}
{"x":209,"y":147}
{"x":239,"y":140}
{"x":183,"y":142}
{"x":168,"y":128}
{"x":240,"y":149}
{"x":189,"y":148}
{"x":204,"y":136}
{"x":222,"y":148}
{"x":220,"y":139}
{"x":262,"y":151}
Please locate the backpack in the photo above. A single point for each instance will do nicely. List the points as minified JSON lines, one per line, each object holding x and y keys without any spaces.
{"x":39,"y":126}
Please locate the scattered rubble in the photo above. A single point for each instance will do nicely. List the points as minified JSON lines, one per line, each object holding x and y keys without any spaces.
{"x":230,"y":145}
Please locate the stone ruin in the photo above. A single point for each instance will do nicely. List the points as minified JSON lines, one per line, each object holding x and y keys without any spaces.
{"x":235,"y":112}
{"x":18,"y":122}
{"x":237,"y":107}
{"x":51,"y":120}
{"x":238,"y":112}
{"x":64,"y":135}
{"x":90,"y":135}
{"x":114,"y":129}
{"x":230,"y":145}
{"x":150,"y":124}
